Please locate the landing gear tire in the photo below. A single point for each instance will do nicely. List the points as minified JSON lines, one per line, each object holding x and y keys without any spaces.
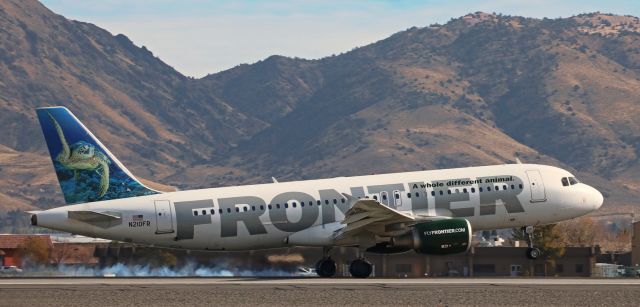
{"x":533,"y":253}
{"x":326,"y":267}
{"x":360,"y":268}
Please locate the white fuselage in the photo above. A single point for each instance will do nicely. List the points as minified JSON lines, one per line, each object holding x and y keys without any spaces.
{"x":265,"y":215}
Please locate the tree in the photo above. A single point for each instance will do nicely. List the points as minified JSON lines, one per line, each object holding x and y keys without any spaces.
{"x":618,"y":240}
{"x":60,"y":252}
{"x":34,"y":250}
{"x":579,"y":232}
{"x":167,"y":258}
{"x":157,"y":257}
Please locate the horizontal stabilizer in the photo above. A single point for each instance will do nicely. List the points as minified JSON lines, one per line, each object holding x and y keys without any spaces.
{"x":93,"y":217}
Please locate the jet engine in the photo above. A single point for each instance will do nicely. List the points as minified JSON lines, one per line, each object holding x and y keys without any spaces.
{"x":436,"y":237}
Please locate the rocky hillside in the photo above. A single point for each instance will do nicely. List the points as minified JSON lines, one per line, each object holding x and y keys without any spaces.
{"x":482,"y":89}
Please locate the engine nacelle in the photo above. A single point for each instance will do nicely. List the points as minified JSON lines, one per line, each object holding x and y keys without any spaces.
{"x":440,"y":237}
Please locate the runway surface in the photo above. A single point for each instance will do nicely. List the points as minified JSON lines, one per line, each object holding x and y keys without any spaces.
{"x":319,"y":292}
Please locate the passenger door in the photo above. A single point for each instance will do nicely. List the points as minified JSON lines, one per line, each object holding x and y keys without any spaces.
{"x":164,"y":216}
{"x":536,"y":185}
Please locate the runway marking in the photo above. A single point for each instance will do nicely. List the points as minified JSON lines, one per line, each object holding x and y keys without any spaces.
{"x":295,"y":282}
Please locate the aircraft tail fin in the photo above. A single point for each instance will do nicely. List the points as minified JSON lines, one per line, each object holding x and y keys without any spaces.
{"x":87,"y":171}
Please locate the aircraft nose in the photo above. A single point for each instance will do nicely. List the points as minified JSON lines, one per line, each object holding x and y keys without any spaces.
{"x":596,"y":199}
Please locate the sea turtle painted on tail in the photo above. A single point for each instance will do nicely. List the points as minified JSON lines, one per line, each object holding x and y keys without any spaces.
{"x":83,"y":156}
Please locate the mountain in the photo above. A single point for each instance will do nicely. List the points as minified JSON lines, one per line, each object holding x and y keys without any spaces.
{"x":481,"y":89}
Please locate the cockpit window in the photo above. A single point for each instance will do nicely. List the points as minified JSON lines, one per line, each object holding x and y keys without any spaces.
{"x":567,"y":181}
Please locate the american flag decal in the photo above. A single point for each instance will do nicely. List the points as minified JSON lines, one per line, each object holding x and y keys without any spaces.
{"x":137,"y":218}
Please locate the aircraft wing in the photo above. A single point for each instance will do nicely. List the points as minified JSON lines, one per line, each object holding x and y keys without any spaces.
{"x":368,"y":216}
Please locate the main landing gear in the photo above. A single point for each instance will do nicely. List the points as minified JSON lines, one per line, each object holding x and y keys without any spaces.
{"x":532,"y":252}
{"x":360,"y":268}
{"x":326,"y":267}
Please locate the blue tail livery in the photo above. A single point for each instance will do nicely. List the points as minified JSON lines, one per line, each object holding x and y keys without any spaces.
{"x":86,"y":170}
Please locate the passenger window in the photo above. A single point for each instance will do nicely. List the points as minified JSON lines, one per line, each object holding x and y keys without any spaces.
{"x":204,"y":212}
{"x":237,"y":209}
{"x":326,"y":201}
{"x":293,"y":204}
{"x":480,"y":189}
{"x":286,"y":205}
{"x":488,"y":189}
{"x":384,"y":196}
{"x":335,"y":201}
{"x":433,"y":193}
{"x":277,"y":206}
{"x":269,"y":206}
{"x":261,"y":207}
{"x":220,"y":211}
{"x":513,"y":187}
{"x":464,"y":190}
{"x":457,"y":191}
{"x":228,"y":210}
{"x":318,"y":202}
{"x":195,"y":213}
{"x":301,"y":204}
{"x":417,"y":194}
{"x":473,"y":190}
{"x":342,"y":200}
{"x":408,"y":195}
{"x":375,"y":197}
{"x":448,"y":191}
{"x":253,"y":208}
{"x":213,"y":211}
{"x":441,"y":193}
{"x":397,"y":196}
{"x":504,"y":187}
{"x":520,"y":185}
{"x":245,"y":209}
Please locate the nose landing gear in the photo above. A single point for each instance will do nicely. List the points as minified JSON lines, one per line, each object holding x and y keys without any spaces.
{"x":532,"y":252}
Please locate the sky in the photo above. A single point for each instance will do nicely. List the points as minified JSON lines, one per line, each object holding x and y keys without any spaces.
{"x":200,"y":37}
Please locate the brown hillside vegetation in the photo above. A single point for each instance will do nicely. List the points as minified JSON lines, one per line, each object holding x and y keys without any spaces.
{"x":481,"y":89}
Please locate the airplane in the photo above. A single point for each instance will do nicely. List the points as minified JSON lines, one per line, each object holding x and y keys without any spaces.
{"x":430,"y":212}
